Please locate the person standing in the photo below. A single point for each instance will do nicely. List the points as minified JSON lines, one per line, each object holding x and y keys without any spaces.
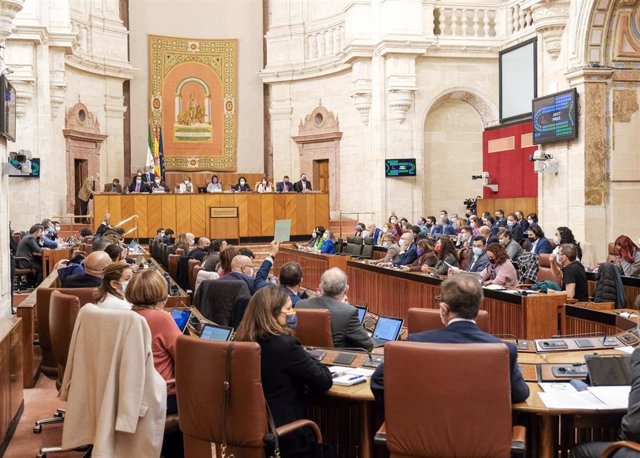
{"x":86,"y":193}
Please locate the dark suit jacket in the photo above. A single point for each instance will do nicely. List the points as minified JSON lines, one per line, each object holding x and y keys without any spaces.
{"x":288,"y":371}
{"x":280,"y":186}
{"x":297,"y":186}
{"x":143,"y":187}
{"x":81,"y":281}
{"x":517,"y":233}
{"x":543,"y":246}
{"x":148,"y":177}
{"x":345,"y":325}
{"x":26,"y":248}
{"x":110,"y":187}
{"x":238,"y":188}
{"x":240,"y":276}
{"x":631,"y":421}
{"x":198,"y":253}
{"x":460,"y":332}
{"x":480,"y":264}
{"x":408,"y":257}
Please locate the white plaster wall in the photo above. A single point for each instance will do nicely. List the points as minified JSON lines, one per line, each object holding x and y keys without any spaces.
{"x":214,"y":19}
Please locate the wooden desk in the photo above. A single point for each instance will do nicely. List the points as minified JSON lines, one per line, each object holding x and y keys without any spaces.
{"x":313,"y":264}
{"x":11,"y":392}
{"x":393,"y":292}
{"x":191,"y":212}
{"x":51,"y":257}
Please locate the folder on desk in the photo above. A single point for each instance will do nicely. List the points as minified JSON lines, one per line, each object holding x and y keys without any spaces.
{"x":282,"y":231}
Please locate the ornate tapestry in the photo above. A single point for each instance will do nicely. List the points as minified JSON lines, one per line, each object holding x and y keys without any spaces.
{"x":193,"y":93}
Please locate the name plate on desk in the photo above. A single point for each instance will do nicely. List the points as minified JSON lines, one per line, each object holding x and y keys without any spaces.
{"x":223,"y":212}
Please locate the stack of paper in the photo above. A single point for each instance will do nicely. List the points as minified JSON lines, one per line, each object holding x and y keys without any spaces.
{"x":593,"y":398}
{"x":347,"y":376}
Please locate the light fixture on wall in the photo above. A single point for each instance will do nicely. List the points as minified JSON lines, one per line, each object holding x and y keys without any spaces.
{"x":543,"y":162}
{"x":486,"y":181}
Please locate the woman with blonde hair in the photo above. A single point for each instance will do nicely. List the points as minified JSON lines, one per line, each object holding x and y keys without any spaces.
{"x":115,"y":279}
{"x":147,"y":292}
{"x":288,"y":371}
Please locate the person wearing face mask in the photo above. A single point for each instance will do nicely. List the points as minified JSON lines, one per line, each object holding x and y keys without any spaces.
{"x":522,"y":221}
{"x":565,"y":235}
{"x":214,"y":185}
{"x":393,"y":251}
{"x":396,"y":227}
{"x":303,"y":185}
{"x":264,"y":186}
{"x":516,"y":230}
{"x":110,"y":295}
{"x":158,"y":186}
{"x":114,"y":186}
{"x":137,"y":185}
{"x":148,"y":176}
{"x":500,"y":270}
{"x":241,"y":186}
{"x":465,"y":238}
{"x":375,"y":233}
{"x":447,"y":226}
{"x":328,"y":246}
{"x":285,"y":185}
{"x":499,"y":217}
{"x":539,"y":244}
{"x":477,"y":260}
{"x":408,"y":250}
{"x":242,"y":269}
{"x":425,"y":257}
{"x":447,"y":256}
{"x":513,"y":249}
{"x":316,"y":240}
{"x":288,"y":371}
{"x":359,"y":229}
{"x":185,"y":186}
{"x":573,"y":277}
{"x":459,"y":304}
{"x":532,"y":220}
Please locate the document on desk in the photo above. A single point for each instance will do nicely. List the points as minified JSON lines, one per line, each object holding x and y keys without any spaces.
{"x":593,"y":398}
{"x":557,"y":387}
{"x":347,"y":376}
{"x":627,"y":350}
{"x":615,"y":397}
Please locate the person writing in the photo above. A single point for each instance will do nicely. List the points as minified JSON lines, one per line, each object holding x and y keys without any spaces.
{"x":287,"y":370}
{"x":573,"y":277}
{"x":629,"y":262}
{"x":186,"y":186}
{"x":500,"y":270}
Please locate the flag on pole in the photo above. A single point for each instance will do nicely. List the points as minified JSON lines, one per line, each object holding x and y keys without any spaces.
{"x":160,"y":164}
{"x":150,"y":156}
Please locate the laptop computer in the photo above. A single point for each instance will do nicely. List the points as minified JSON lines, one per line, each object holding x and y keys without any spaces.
{"x":181,"y":318}
{"x":362,"y":312}
{"x":609,"y":370}
{"x":387,"y":330}
{"x":215,"y":332}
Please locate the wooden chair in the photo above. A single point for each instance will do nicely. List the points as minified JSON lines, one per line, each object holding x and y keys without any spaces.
{"x":421,"y":319}
{"x":314,"y":327}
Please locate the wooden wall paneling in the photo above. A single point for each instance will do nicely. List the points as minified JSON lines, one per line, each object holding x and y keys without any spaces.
{"x":267,"y":212}
{"x":240,"y":200}
{"x":280,"y":206}
{"x":525,"y":204}
{"x":16,"y":370}
{"x":140,"y":208}
{"x":322,"y":210}
{"x":115,"y":209}
{"x":505,"y":317}
{"x":100,"y":208}
{"x":291,"y":201}
{"x":254,"y":213}
{"x":542,"y":320}
{"x":183,"y":213}
{"x":210,"y":200}
{"x":580,"y":326}
{"x":310,"y":217}
{"x":198,"y":215}
{"x":154,"y":214}
{"x":298,"y":226}
{"x":169,"y":212}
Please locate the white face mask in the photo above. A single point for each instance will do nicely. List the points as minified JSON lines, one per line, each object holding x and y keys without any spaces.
{"x":242,"y":182}
{"x":556,"y":240}
{"x":124,"y":284}
{"x":477,"y":251}
{"x":191,"y":242}
{"x":186,"y":182}
{"x":157,"y":181}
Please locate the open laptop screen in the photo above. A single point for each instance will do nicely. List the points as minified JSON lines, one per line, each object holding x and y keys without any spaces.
{"x":214,"y":332}
{"x":181,"y":318}
{"x":387,"y":328}
{"x":362,"y":313}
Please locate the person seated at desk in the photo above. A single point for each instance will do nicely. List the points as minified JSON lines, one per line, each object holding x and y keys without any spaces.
{"x":116,"y":252}
{"x":303,"y":185}
{"x":114,"y":186}
{"x":201,"y":250}
{"x":186,"y":186}
{"x":475,"y":223}
{"x":375,"y":233}
{"x":169,"y":238}
{"x":513,"y":248}
{"x":158,"y":186}
{"x":425,"y":257}
{"x":489,"y":236}
{"x":287,"y":370}
{"x":48,"y":239}
{"x":408,"y":250}
{"x":629,"y":426}
{"x":214,"y":185}
{"x":285,"y":185}
{"x":629,"y":262}
{"x":148,"y":176}
{"x":360,"y":230}
{"x":226,"y":257}
{"x":517,"y":233}
{"x":460,"y":300}
{"x":500,"y":270}
{"x":464,"y":238}
{"x":213,"y":257}
{"x":241,"y":269}
{"x":264,"y":186}
{"x":110,"y":294}
{"x":241,"y":186}
{"x":160,"y":234}
{"x":147,"y":292}
{"x":522,"y":222}
{"x":447,"y":226}
{"x":447,"y":256}
{"x":328,"y":245}
{"x":565,"y":235}
{"x":393,"y":250}
{"x":478,"y":253}
{"x":30,"y":249}
{"x":316,"y":240}
{"x":573,"y":277}
{"x":184,"y":242}
{"x":138,"y":186}
{"x":94,"y":266}
{"x":345,"y":325}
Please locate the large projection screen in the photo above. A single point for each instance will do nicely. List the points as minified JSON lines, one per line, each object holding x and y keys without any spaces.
{"x":517,"y":81}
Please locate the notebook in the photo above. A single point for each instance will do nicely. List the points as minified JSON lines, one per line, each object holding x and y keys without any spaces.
{"x":387,"y":329}
{"x":215,"y":332}
{"x":181,"y":318}
{"x":362,"y":312}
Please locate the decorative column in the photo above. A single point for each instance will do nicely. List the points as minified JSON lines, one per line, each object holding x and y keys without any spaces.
{"x":401,"y":84}
{"x":549,"y":19}
{"x":361,"y":82}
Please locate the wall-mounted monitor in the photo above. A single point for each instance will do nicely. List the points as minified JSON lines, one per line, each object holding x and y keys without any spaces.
{"x":400,"y":167}
{"x":28,"y":169}
{"x":8,"y":109}
{"x":518,"y":81}
{"x":555,"y":117}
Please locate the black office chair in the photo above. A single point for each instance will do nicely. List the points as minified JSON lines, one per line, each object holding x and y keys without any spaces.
{"x":354,"y":246}
{"x":367,"y":248}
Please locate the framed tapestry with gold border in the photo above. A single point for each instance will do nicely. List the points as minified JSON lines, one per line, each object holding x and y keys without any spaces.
{"x":193,"y":95}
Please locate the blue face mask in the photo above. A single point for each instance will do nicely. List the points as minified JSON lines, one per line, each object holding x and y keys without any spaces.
{"x":419,"y":251}
{"x":292,"y":321}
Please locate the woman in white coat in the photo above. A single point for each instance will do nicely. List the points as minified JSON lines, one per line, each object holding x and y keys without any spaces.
{"x":114,"y":283}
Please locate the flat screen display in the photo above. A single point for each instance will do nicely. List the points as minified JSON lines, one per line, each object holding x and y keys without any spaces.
{"x":30,"y":169}
{"x":400,"y":167}
{"x":518,"y":83}
{"x":554,"y":117}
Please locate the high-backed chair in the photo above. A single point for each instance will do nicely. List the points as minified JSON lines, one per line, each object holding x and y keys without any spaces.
{"x":339,"y":246}
{"x":49,"y":365}
{"x":314,"y":327}
{"x":476,"y":373}
{"x":222,"y":301}
{"x":191,"y":265}
{"x":205,"y":417}
{"x":612,"y":253}
{"x":196,"y":271}
{"x":421,"y":319}
{"x":367,"y":248}
{"x":545,"y":272}
{"x":172,"y":265}
{"x":354,"y":246}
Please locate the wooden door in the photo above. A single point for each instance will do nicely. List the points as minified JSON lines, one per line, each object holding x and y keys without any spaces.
{"x":80,"y":172}
{"x":321,"y":175}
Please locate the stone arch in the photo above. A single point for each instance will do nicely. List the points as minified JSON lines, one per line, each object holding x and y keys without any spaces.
{"x":487,"y":111}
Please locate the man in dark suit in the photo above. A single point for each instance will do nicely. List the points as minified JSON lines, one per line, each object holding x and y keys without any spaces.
{"x":461,"y":296}
{"x":303,"y":185}
{"x":285,"y":185}
{"x":94,"y":266}
{"x":242,"y":269}
{"x":408,"y":249}
{"x":138,"y":186}
{"x":114,"y":186}
{"x":517,"y":233}
{"x":30,"y":249}
{"x":201,"y":250}
{"x":500,"y":219}
{"x":479,"y":259}
{"x":345,"y":325}
{"x":148,"y":176}
{"x":290,"y":275}
{"x":630,"y":425}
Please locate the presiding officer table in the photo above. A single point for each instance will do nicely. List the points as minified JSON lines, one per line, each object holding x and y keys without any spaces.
{"x":217,"y":215}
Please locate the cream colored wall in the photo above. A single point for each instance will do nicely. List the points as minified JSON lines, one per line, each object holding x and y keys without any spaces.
{"x":452,"y":153}
{"x":224,"y":19}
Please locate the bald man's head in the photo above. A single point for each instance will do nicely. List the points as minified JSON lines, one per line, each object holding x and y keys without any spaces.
{"x":95,"y":263}
{"x":242,"y":264}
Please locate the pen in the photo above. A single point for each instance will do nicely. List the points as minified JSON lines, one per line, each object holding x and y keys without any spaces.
{"x":355,"y":377}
